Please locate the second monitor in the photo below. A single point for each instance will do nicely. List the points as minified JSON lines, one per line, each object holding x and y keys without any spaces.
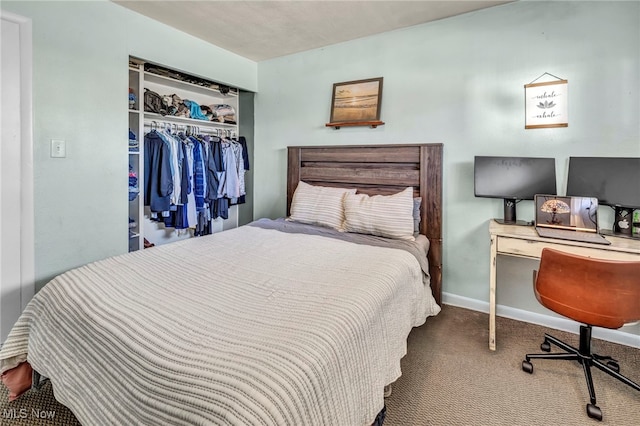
{"x":614,"y":181}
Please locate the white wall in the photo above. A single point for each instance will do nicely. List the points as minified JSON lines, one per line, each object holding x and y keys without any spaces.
{"x":80,"y":82}
{"x":460,"y":81}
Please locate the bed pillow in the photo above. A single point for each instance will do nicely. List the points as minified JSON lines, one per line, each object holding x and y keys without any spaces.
{"x":416,"y":215}
{"x":388,"y":216}
{"x":319,"y":205}
{"x":18,"y":380}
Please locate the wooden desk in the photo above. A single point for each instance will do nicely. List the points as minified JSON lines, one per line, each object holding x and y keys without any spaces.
{"x":523,"y":241}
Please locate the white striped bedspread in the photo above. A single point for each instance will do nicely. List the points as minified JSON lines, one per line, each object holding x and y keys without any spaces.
{"x":249,"y":326}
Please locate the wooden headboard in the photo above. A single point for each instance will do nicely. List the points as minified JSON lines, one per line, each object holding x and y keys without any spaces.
{"x":384,"y":170}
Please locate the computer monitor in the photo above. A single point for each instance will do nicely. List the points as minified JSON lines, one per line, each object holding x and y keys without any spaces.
{"x":614,"y":181}
{"x":513,"y":179}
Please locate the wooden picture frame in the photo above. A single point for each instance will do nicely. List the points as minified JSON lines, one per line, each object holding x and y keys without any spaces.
{"x":546,"y":104}
{"x":356,"y":102}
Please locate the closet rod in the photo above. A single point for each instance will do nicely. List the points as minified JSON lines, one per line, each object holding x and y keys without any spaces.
{"x":163,"y":125}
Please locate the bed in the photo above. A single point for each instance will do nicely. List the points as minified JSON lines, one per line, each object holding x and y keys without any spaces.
{"x":277,"y":322}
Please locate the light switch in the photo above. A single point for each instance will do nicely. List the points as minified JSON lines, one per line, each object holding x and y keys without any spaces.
{"x":58,"y":148}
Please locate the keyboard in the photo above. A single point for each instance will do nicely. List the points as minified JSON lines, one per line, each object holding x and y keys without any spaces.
{"x":563,"y":234}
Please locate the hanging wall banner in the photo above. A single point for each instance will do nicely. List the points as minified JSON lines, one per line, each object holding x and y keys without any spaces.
{"x":546,"y":104}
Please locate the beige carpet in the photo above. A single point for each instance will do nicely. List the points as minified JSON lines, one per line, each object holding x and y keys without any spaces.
{"x":451,"y":378}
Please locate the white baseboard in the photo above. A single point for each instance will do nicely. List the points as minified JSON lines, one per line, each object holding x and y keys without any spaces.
{"x":615,"y":336}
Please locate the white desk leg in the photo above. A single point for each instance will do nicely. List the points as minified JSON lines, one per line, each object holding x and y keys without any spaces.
{"x":492,"y":293}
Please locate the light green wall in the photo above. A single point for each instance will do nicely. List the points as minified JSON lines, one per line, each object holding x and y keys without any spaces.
{"x":460,"y":81}
{"x":80,"y":81}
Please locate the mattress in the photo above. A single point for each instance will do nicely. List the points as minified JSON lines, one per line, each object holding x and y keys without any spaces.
{"x":257,"y":325}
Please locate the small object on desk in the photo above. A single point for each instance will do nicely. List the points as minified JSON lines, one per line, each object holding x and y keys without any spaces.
{"x":622,"y":221}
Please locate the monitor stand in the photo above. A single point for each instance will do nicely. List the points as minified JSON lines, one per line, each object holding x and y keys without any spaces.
{"x":515,"y":222}
{"x":510,"y":214}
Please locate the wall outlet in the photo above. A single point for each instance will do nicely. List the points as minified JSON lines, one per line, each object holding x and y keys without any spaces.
{"x":58,"y":148}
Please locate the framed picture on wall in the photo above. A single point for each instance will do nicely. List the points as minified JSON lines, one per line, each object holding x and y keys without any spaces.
{"x":356,"y":101}
{"x":546,"y":104}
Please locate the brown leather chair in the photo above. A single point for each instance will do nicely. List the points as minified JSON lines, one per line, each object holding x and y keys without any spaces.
{"x":594,"y":292}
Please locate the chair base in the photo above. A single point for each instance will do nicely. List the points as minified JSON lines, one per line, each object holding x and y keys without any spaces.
{"x":586,"y":358}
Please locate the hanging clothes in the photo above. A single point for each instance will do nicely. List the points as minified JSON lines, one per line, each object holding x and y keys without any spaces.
{"x":214,"y":169}
{"x":219,"y":205}
{"x":231,"y":187}
{"x":158,"y":180}
{"x":245,"y":153}
{"x":245,"y":160}
{"x":175,"y":146}
{"x":198,"y":174}
{"x":191,"y":213}
{"x":237,"y":151}
{"x":190,"y":180}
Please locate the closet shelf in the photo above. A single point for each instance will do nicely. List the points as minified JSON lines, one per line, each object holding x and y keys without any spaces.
{"x":185,"y":85}
{"x":152,"y":116}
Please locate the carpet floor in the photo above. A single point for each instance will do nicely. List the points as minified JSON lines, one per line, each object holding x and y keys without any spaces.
{"x":450,"y":378}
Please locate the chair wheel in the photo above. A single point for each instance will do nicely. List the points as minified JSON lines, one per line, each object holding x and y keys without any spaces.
{"x":527,"y":367}
{"x":614,"y":366}
{"x":545,"y":346}
{"x":594,"y":412}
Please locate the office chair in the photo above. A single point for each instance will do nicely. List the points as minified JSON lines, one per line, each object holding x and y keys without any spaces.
{"x":594,"y":292}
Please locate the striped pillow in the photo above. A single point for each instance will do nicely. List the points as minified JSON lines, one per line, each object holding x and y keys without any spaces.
{"x":388,"y":216}
{"x":318,"y":205}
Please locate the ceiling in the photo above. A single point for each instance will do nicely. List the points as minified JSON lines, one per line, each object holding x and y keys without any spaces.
{"x":266,"y":29}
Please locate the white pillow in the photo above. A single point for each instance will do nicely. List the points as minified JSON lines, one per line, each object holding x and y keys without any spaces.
{"x":416,"y":215}
{"x":388,"y":216}
{"x":319,"y":205}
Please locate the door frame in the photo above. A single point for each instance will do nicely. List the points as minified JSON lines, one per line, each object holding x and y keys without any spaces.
{"x":27,"y":234}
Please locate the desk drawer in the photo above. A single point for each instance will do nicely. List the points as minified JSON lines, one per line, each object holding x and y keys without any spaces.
{"x":530,"y":248}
